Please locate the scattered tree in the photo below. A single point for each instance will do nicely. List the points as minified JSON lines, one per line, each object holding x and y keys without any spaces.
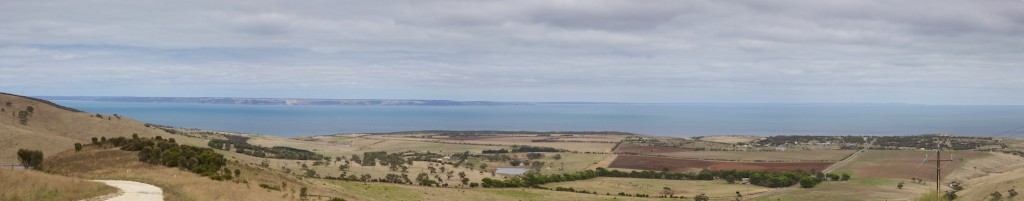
{"x":31,"y":158}
{"x":78,"y":147}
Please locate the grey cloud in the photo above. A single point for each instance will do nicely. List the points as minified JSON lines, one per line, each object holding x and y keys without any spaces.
{"x":657,"y":51}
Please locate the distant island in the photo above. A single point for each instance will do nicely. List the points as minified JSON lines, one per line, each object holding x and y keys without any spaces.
{"x":280,"y":101}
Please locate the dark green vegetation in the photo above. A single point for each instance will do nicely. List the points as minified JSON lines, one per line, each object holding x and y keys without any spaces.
{"x":760,"y":178}
{"x":523,"y":149}
{"x":31,"y":158}
{"x":239,"y":144}
{"x":888,"y":142}
{"x":167,"y":152}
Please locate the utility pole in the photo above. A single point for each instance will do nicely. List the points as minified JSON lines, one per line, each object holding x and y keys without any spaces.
{"x":938,"y":167}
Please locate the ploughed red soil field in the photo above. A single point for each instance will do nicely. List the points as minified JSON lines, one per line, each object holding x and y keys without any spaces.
{"x":640,"y":149}
{"x":675,"y":164}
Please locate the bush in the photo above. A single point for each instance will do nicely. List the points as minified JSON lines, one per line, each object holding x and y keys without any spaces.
{"x":701,"y":197}
{"x":31,"y":158}
{"x":78,"y":147}
{"x":808,"y":182}
{"x":269,"y":187}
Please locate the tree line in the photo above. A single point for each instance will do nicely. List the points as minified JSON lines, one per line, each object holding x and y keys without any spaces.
{"x":167,"y":152}
{"x":522,"y":149}
{"x":757,"y":177}
{"x":278,"y":152}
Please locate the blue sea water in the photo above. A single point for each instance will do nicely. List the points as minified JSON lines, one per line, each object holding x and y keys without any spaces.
{"x":656,"y":119}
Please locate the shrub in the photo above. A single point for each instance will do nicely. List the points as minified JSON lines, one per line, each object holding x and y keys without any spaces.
{"x":269,"y":187}
{"x":808,"y":182}
{"x":31,"y":158}
{"x":78,"y":147}
{"x":701,"y":197}
{"x":23,"y":117}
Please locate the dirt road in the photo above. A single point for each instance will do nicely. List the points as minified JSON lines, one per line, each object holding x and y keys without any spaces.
{"x":134,"y":191}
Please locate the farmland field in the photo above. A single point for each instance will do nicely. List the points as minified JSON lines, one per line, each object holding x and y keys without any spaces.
{"x":654,"y":187}
{"x":642,"y":149}
{"x":856,"y":189}
{"x":572,"y":162}
{"x":750,"y":156}
{"x":903,"y":164}
{"x":674,"y":164}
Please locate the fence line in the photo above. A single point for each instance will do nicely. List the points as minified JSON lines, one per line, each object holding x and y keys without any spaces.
{"x":13,"y":166}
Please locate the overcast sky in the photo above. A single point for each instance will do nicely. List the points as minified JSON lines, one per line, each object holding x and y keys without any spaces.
{"x":884,"y":51}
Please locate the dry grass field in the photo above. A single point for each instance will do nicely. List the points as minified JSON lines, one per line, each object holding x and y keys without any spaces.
{"x":903,"y":164}
{"x":984,"y":175}
{"x":642,"y":149}
{"x":654,"y":187}
{"x":387,"y":192}
{"x":754,"y":156}
{"x":857,"y":189}
{"x":570,"y":162}
{"x":877,"y":172}
{"x":26,"y":185}
{"x":688,"y":165}
{"x":96,"y":163}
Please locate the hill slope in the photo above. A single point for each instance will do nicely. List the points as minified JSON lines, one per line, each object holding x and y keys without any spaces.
{"x":38,"y":124}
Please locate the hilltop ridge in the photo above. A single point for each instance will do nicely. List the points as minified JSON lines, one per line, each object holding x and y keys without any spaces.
{"x":38,"y":124}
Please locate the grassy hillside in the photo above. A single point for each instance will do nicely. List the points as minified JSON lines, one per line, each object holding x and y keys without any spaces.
{"x":101,"y":163}
{"x":18,"y":185}
{"x":52,"y":128}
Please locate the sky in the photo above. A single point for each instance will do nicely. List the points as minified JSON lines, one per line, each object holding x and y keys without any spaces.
{"x":757,"y":51}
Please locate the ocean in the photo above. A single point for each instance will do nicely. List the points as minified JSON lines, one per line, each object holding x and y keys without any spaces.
{"x":654,"y":119}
